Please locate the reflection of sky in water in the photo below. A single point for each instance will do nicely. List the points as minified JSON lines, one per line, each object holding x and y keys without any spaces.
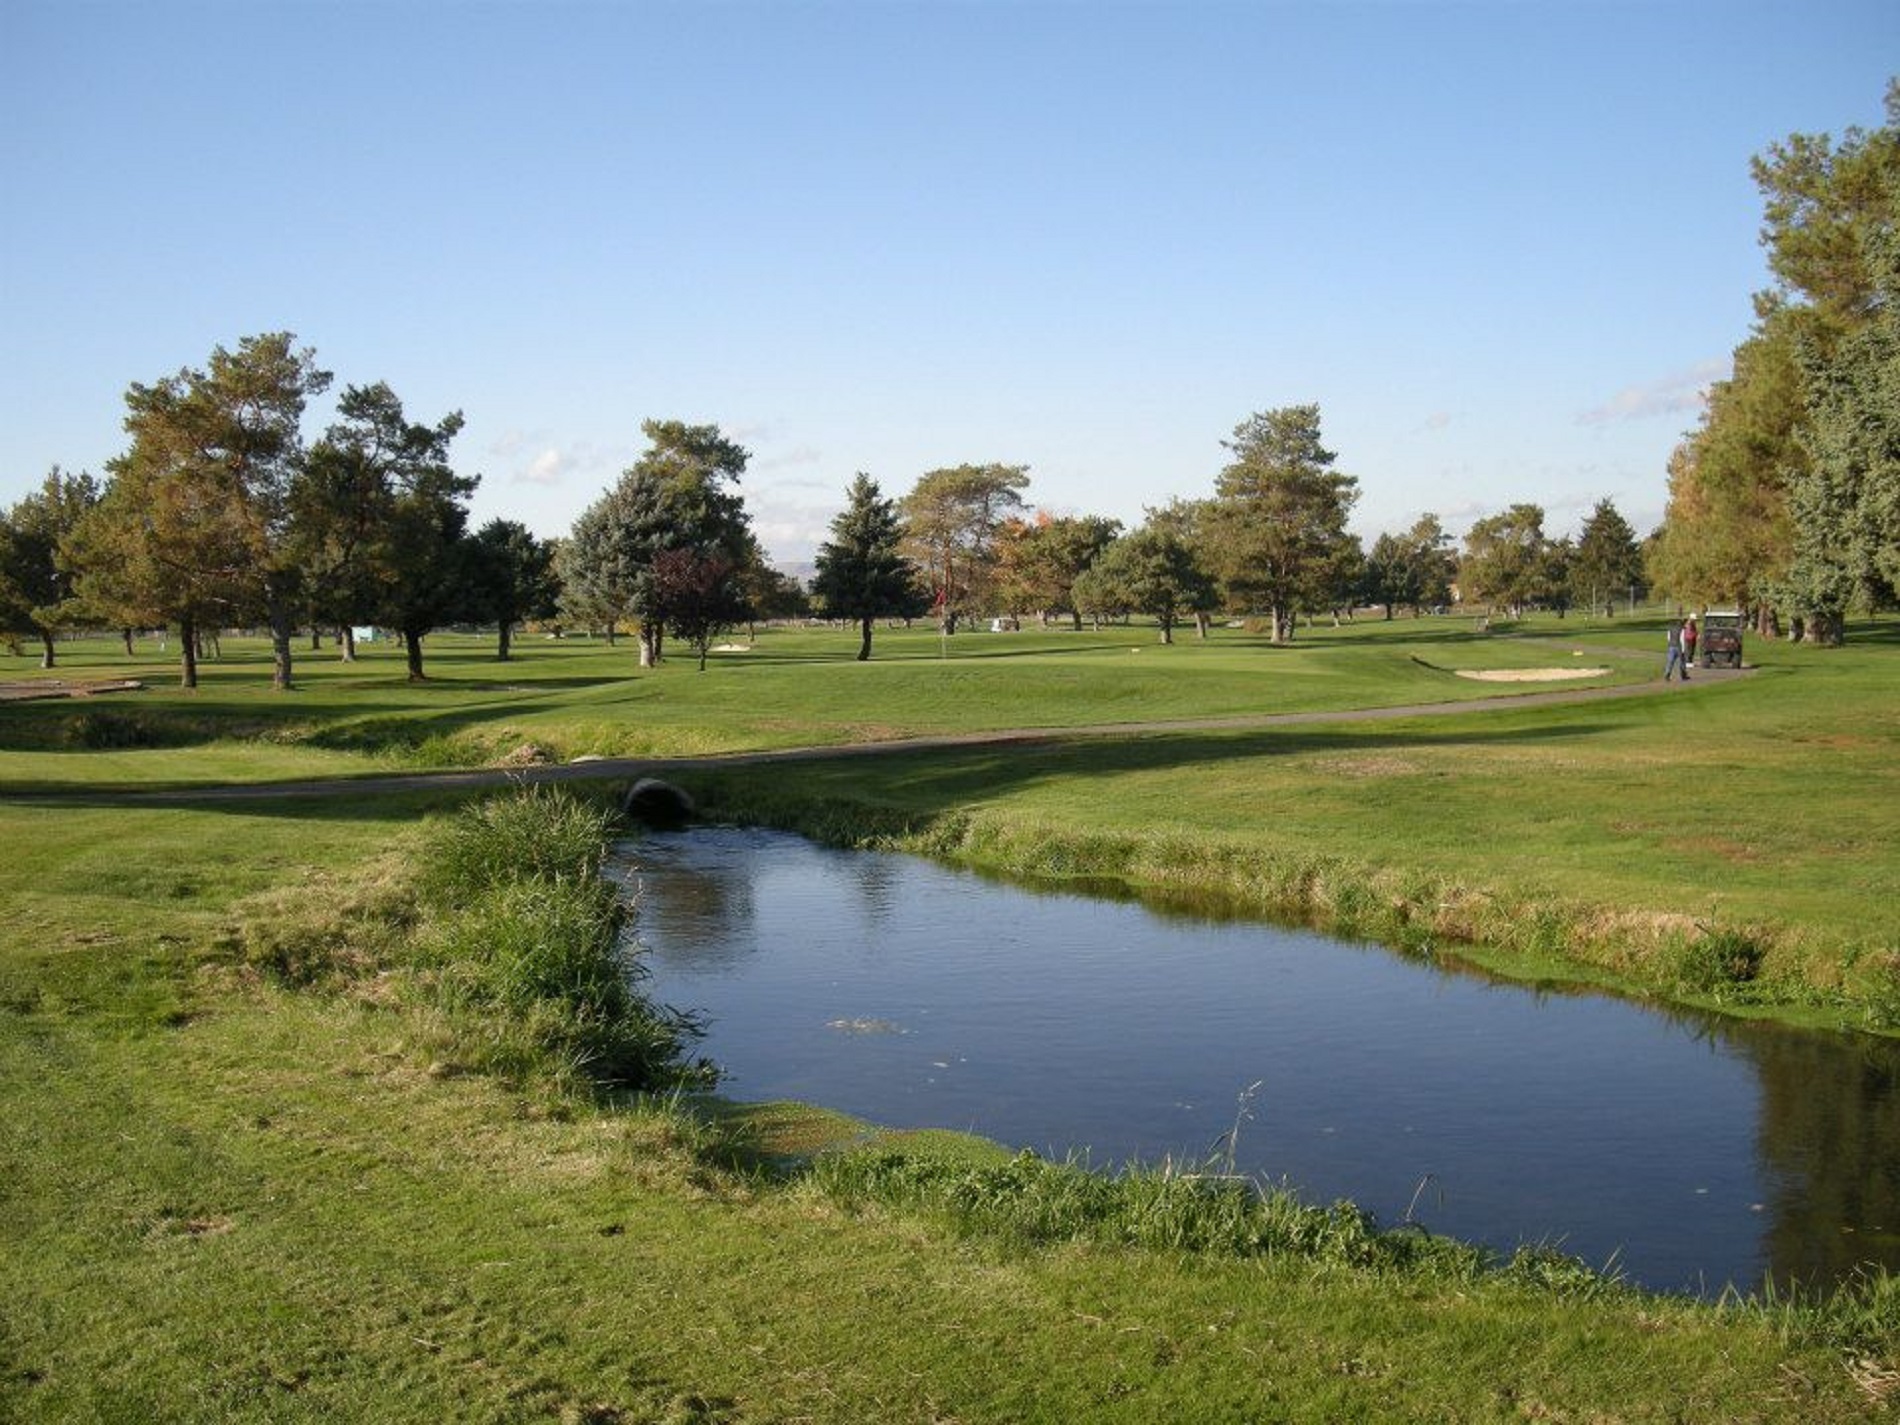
{"x":914,"y":995}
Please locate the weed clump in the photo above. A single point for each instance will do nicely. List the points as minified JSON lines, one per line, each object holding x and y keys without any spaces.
{"x":537,"y":834}
{"x":345,"y":932}
{"x":1032,"y":1200}
{"x":1719,"y":963}
{"x":530,"y":958}
{"x":101,"y":731}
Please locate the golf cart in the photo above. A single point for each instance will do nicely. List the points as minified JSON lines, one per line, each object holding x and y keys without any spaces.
{"x":1721,"y":641}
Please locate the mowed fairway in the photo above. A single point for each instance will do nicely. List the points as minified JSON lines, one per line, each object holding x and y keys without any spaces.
{"x":236,"y":1188}
{"x":787,"y":688}
{"x":1769,"y":803}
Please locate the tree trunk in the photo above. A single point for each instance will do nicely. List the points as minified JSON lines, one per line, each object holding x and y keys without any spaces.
{"x":502,"y":640}
{"x":649,"y":646}
{"x":126,"y":635}
{"x":187,"y":651}
{"x":346,"y":644}
{"x":412,"y":645}
{"x":1826,"y":630}
{"x":864,"y":643}
{"x":278,"y":613}
{"x":49,"y":656}
{"x":316,"y":639}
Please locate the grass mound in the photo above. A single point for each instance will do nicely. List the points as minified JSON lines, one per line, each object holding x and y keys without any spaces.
{"x":529,"y":955}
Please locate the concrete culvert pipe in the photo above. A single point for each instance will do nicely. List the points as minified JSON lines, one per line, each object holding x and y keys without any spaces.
{"x":657,"y":803}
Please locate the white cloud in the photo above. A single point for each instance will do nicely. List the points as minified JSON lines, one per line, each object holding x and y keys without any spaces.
{"x":797,"y":455}
{"x":547,"y":468}
{"x":536,"y":457}
{"x":1666,"y":395}
{"x":790,"y":525}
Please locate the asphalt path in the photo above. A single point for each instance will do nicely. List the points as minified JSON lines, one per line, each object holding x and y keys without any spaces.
{"x":609,"y":768}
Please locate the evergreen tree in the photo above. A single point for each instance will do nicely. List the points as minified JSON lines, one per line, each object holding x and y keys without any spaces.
{"x":509,"y":578}
{"x":674,"y":497}
{"x":1277,"y":530}
{"x":1608,"y":561}
{"x":215,"y":457}
{"x":952,"y":517}
{"x":1846,"y":504}
{"x":38,"y":593}
{"x":861,"y":573}
{"x":1505,"y":560}
{"x":1152,"y":571}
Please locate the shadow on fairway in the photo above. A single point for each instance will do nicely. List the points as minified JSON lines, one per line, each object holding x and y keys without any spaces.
{"x":921,"y":781}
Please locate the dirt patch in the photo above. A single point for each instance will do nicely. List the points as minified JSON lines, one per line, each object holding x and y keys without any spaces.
{"x":1367,"y":766}
{"x":528,"y":754}
{"x":1733,"y":851}
{"x":24,"y":691}
{"x":1529,"y":675}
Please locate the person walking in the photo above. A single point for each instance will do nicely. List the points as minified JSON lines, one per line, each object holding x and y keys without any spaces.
{"x":1688,"y":644}
{"x":1673,"y":663}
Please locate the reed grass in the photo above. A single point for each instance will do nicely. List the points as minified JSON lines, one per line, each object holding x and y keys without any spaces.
{"x":1030,"y":1200}
{"x":528,"y":955}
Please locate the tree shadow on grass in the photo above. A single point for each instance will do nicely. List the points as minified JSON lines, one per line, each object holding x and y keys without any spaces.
{"x":128,"y":722}
{"x":920,"y":781}
{"x":937,"y":781}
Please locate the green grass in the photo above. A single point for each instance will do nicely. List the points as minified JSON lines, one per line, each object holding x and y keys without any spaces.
{"x":1602,"y":839}
{"x":793,"y":688}
{"x":526,"y":951}
{"x":255,"y":1172}
{"x":231,"y":1194}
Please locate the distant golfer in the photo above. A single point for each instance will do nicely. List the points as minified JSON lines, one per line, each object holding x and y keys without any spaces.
{"x":1688,"y":644}
{"x":1674,"y":662}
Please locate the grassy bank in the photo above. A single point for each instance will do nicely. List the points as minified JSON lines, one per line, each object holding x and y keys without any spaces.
{"x":1730,"y":847}
{"x":248,"y":1181}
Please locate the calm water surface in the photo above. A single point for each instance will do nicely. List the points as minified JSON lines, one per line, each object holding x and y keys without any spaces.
{"x":1691,"y":1151}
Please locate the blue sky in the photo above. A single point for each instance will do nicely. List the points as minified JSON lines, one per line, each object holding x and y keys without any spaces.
{"x":1502,"y":245}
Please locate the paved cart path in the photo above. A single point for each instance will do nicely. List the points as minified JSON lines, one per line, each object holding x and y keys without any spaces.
{"x":609,"y":768}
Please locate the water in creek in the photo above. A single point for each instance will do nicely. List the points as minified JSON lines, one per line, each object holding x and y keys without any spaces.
{"x":1691,"y":1151}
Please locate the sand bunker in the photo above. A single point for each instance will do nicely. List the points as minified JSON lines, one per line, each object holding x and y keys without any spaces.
{"x":1529,"y":675}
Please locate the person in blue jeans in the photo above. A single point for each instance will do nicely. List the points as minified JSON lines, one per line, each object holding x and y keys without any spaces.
{"x":1675,"y":662}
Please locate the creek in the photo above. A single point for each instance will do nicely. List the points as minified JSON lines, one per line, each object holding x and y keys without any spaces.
{"x":1690,"y":1151}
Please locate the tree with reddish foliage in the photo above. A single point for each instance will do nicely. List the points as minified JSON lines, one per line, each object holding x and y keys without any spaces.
{"x":701,"y":593}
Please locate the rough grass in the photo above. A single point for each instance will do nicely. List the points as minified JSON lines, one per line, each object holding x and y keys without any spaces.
{"x":232,"y":1193}
{"x":797,"y":687}
{"x":249,"y":1176}
{"x":527,"y":955}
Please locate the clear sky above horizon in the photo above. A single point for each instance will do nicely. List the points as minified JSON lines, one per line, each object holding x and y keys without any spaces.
{"x":1502,"y":245}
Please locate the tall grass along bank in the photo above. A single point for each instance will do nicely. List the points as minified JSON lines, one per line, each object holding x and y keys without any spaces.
{"x":528,"y":951}
{"x":246,"y":1178}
